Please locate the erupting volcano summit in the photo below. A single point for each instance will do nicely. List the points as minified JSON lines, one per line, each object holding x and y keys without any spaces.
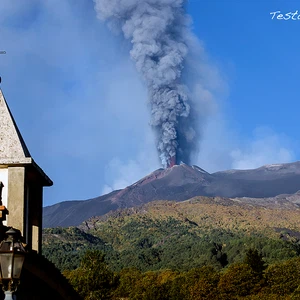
{"x":172,"y":162}
{"x":161,"y":39}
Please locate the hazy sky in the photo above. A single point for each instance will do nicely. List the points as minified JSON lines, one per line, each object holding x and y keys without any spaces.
{"x":82,"y":107}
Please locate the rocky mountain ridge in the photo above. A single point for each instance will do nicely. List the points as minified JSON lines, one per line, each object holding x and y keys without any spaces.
{"x":182,"y":182}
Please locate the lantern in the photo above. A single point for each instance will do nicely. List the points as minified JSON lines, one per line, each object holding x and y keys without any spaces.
{"x":12,"y":255}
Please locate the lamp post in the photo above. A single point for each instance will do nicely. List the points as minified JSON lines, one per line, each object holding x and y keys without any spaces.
{"x":12,"y":255}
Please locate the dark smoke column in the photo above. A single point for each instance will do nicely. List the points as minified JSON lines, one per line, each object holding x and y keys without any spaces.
{"x":157,"y":30}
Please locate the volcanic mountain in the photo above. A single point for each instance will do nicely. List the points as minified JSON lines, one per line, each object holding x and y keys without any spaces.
{"x":181,"y":182}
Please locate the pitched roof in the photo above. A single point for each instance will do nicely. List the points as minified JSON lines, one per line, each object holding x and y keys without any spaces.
{"x":12,"y":145}
{"x":13,"y":150}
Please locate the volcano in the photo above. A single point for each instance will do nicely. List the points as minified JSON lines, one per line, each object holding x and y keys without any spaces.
{"x":179,"y":183}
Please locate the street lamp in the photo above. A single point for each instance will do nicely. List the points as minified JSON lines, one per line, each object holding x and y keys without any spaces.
{"x":12,"y":255}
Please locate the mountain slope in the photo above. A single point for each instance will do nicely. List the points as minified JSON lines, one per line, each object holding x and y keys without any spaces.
{"x":180,"y":183}
{"x":71,"y":213}
{"x":183,"y":235}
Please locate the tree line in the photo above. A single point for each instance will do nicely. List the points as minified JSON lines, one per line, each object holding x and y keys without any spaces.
{"x":164,"y":246}
{"x":250,"y":278}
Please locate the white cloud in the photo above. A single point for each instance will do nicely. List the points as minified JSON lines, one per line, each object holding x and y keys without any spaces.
{"x":122,"y":173}
{"x":106,"y":189}
{"x":266,"y":147}
{"x":224,"y":148}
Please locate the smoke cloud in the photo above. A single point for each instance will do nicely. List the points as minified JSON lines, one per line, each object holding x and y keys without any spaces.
{"x":159,"y":33}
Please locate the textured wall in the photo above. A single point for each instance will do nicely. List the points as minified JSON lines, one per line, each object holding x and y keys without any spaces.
{"x":15,"y":203}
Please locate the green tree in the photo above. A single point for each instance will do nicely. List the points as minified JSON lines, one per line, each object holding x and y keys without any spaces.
{"x":254,"y":260}
{"x":149,"y":287}
{"x":93,"y":280}
{"x":204,"y":285}
{"x":128,"y":279}
{"x":284,"y":278}
{"x":239,"y":280}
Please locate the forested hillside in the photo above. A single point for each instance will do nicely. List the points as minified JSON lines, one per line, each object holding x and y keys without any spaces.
{"x":189,"y":246}
{"x":180,"y":235}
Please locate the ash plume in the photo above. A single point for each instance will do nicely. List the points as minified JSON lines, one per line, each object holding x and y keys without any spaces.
{"x":158,"y":31}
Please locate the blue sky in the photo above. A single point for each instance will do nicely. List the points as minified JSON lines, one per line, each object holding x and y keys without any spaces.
{"x":81,"y":105}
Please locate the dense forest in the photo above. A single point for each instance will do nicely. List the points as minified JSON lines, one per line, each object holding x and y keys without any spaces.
{"x":249,"y":279}
{"x":200,"y":249}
